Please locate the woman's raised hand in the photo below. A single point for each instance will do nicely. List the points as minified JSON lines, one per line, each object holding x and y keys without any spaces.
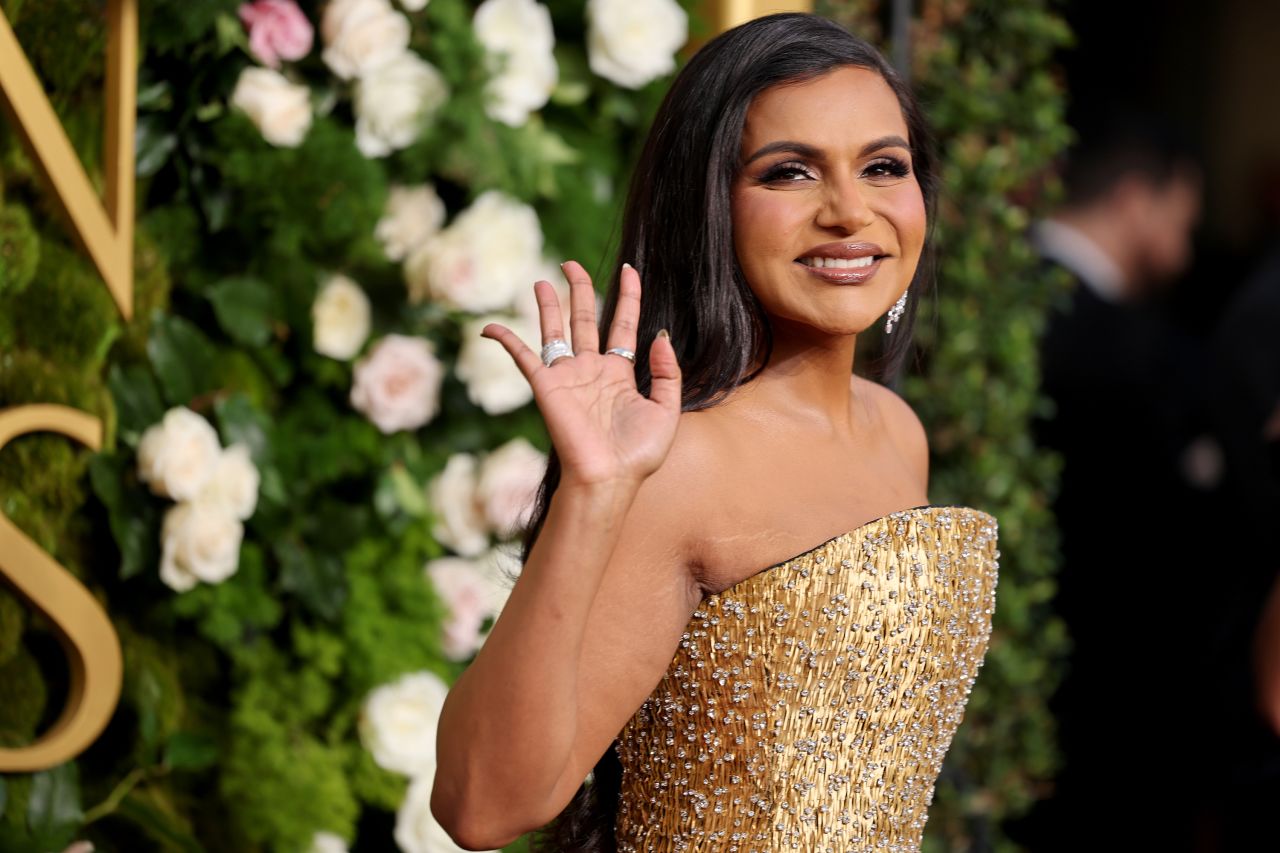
{"x":604,"y":429}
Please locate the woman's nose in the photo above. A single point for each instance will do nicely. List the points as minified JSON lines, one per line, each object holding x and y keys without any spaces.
{"x":845,"y":207}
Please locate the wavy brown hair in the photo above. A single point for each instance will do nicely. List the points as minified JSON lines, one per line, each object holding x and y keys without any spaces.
{"x":677,"y":232}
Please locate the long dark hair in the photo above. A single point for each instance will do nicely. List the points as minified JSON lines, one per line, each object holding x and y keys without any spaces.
{"x":677,"y":232}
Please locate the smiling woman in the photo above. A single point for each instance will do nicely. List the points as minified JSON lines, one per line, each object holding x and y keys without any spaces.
{"x":782,"y":204}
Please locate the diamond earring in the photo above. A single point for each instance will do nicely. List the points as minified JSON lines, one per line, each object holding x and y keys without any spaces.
{"x":895,"y":312}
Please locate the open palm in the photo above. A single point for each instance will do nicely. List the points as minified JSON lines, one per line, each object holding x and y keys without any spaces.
{"x":603,"y":428}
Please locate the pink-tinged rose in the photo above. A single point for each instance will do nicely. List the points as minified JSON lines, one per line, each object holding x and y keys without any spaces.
{"x":466,"y":594}
{"x":277,"y":30}
{"x":397,"y":384}
{"x":508,"y":484}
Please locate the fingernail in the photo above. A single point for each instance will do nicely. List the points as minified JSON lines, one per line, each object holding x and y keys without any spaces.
{"x":663,"y":333}
{"x":627,"y":266}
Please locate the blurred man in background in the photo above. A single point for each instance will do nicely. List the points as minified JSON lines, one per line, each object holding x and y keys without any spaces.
{"x":1119,"y":379}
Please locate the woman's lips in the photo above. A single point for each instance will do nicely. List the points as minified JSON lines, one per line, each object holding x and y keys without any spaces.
{"x":842,"y":276}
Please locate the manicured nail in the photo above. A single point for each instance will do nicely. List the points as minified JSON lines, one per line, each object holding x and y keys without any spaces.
{"x":663,"y":333}
{"x":626,"y":265}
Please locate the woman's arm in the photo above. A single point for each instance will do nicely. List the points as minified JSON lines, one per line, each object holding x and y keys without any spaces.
{"x":513,"y":720}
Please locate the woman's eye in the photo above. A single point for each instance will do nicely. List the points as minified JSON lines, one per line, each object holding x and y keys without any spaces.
{"x":890,"y":167}
{"x":786,"y":172}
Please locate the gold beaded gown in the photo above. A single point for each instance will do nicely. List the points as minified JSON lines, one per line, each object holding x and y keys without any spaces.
{"x":809,"y":707}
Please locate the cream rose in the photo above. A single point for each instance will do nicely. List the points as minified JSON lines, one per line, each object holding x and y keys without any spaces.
{"x":466,"y":594}
{"x":199,"y":542}
{"x":508,"y":483}
{"x":233,"y":488}
{"x":395,"y":101}
{"x":412,"y":215}
{"x":519,"y":42}
{"x":179,"y":455}
{"x":340,"y":318}
{"x":459,"y":520}
{"x":281,"y":110}
{"x":327,"y":842}
{"x":494,"y":381}
{"x":397,"y":384}
{"x":631,"y":42}
{"x":361,"y":36}
{"x":398,"y":722}
{"x":417,"y":830}
{"x":499,"y":567}
{"x":478,"y":261}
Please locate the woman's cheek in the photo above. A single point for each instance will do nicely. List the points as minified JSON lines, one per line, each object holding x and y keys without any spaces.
{"x":905,"y":211}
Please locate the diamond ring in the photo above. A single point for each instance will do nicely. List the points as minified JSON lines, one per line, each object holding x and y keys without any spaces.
{"x":629,"y":355}
{"x":554,"y":349}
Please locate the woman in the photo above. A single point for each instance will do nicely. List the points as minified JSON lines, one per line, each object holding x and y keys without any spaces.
{"x":779,"y":208}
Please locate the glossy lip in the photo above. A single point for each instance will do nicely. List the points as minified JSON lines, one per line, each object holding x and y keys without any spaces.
{"x":843,"y":250}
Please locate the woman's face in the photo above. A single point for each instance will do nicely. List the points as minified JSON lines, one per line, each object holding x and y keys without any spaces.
{"x":827,"y":187}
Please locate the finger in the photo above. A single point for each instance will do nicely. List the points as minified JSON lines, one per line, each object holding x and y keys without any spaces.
{"x":626,"y":315}
{"x":550,"y":316}
{"x":665,"y":369}
{"x":582,"y":308}
{"x":526,"y":359}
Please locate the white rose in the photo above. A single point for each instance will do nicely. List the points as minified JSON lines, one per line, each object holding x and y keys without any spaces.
{"x":327,"y":842}
{"x":499,"y":567}
{"x":508,"y":483}
{"x":280,"y":109}
{"x":340,"y":318}
{"x":459,"y":520}
{"x":199,"y":542}
{"x":398,"y":722}
{"x":632,"y":42}
{"x":465,"y":592}
{"x":177,"y":456}
{"x":393,"y":103}
{"x":478,"y":261}
{"x":417,"y":830}
{"x":412,"y":215}
{"x":397,"y":384}
{"x":361,"y":36}
{"x":493,"y":379}
{"x":233,"y":488}
{"x":519,"y":41}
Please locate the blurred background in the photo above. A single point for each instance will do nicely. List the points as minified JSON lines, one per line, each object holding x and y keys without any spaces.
{"x":312,"y":471}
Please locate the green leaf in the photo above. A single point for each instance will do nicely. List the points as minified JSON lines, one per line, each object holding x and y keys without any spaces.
{"x":190,"y":751}
{"x":158,"y":825}
{"x":4,"y":795}
{"x":183,"y":359}
{"x":244,"y":307}
{"x":133,"y":518}
{"x":409,"y":493}
{"x":137,"y":398}
{"x":53,"y":808}
{"x":317,"y":579}
{"x":243,"y":424}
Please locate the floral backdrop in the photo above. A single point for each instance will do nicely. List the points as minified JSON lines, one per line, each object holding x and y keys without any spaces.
{"x":304,"y":520}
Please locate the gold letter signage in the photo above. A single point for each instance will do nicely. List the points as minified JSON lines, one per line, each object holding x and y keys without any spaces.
{"x":106,"y":233}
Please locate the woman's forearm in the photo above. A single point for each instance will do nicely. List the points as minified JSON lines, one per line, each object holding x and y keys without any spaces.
{"x":508,"y":726}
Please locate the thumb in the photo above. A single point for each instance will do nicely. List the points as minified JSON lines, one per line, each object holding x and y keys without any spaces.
{"x":664,"y":368}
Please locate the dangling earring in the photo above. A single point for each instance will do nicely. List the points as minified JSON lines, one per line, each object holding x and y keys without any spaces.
{"x":895,"y":312}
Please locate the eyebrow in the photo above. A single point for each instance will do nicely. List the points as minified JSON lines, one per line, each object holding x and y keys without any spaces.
{"x":891,"y":141}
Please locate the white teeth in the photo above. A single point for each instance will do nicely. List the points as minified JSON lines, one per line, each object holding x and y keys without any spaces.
{"x":838,"y":263}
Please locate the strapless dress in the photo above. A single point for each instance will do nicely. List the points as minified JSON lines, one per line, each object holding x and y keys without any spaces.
{"x":809,"y":706}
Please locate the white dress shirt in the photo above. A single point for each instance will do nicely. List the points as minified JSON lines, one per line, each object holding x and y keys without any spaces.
{"x":1072,"y":248}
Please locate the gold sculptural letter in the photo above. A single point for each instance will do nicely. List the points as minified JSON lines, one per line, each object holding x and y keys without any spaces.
{"x":105,"y":233}
{"x":93,"y":650}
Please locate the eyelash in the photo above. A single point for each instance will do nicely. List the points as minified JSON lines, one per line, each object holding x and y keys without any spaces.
{"x":897,"y":168}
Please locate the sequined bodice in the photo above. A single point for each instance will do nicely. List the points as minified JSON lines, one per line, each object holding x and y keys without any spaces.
{"x":809,"y":707}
